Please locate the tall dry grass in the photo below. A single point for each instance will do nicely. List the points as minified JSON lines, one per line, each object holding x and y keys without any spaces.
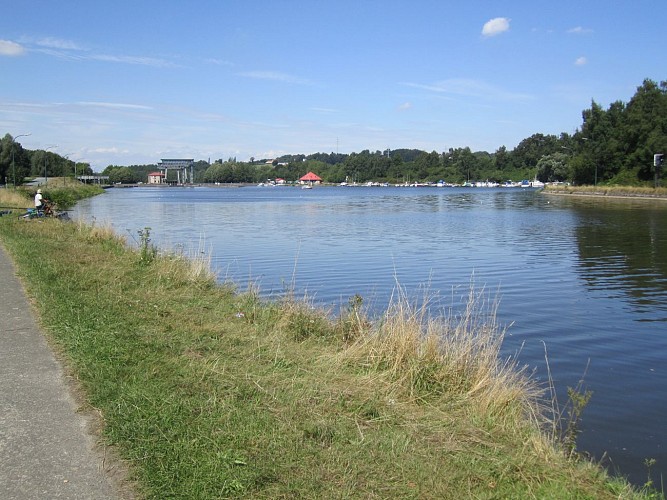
{"x":11,"y":198}
{"x":193,"y":263}
{"x":454,"y":359}
{"x":96,"y":232}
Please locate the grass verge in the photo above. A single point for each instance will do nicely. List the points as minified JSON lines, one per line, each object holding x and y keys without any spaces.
{"x":208,"y":392}
{"x":610,"y":191}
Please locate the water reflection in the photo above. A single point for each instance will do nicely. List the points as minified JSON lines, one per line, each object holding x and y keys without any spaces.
{"x":623,"y":253}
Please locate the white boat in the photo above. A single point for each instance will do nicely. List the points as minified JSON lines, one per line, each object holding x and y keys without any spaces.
{"x":532,"y":184}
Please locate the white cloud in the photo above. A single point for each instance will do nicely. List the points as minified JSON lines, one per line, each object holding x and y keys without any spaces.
{"x":68,"y":50}
{"x":275,"y":76}
{"x":143,"y":61}
{"x":581,"y":61}
{"x":218,"y":62}
{"x":496,"y":26}
{"x":405,"y":106}
{"x":580,"y":31}
{"x":57,"y":43}
{"x":108,"y":150}
{"x":9,"y":48}
{"x":113,"y":105}
{"x":471,"y":88}
{"x":324,"y":110}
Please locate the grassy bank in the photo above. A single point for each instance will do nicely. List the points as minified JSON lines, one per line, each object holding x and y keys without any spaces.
{"x":63,"y":195}
{"x":609,"y":191}
{"x":212,"y":393}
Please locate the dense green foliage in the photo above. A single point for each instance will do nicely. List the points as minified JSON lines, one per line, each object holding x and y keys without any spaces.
{"x":612,"y":146}
{"x":17,"y":163}
{"x":617,"y":145}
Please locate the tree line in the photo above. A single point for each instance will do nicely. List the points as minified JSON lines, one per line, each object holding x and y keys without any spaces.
{"x":612,"y":146}
{"x":18,"y":163}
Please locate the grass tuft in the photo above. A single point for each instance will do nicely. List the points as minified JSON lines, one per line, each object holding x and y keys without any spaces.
{"x":455,"y":358}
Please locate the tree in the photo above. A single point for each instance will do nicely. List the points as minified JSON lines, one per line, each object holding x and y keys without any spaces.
{"x":427,"y":164}
{"x":553,"y":168}
{"x":46,"y":163}
{"x":502,"y":158}
{"x":597,"y":132}
{"x":5,"y":157}
{"x":14,"y":161}
{"x":122,"y":175}
{"x":464,"y":161}
{"x":216,"y":173}
{"x":617,"y":145}
{"x":646,"y":127}
{"x":529,"y":151}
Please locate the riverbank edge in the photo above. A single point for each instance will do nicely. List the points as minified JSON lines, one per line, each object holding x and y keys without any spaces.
{"x":37,"y":230}
{"x":610,"y":192}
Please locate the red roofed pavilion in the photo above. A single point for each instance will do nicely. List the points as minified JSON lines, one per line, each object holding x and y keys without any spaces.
{"x":310,"y":177}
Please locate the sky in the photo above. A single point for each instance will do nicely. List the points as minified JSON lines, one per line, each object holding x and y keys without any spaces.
{"x":132,"y":82}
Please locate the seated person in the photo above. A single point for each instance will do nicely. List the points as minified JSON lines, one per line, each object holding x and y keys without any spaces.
{"x":39,"y":200}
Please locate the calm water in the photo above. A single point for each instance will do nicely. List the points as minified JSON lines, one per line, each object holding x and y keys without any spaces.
{"x":587,"y":278}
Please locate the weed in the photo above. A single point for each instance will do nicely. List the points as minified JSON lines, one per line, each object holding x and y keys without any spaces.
{"x":566,"y":420}
{"x":147,"y":251}
{"x":352,"y":323}
{"x":577,"y":401}
{"x":649,"y":488}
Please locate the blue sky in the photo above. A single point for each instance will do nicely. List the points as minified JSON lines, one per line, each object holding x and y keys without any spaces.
{"x":131,"y":82}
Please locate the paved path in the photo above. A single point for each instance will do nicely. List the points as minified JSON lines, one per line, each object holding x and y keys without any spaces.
{"x":45,"y":449}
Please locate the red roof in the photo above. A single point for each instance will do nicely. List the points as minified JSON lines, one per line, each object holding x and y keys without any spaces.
{"x":155,"y":174}
{"x":311,"y":177}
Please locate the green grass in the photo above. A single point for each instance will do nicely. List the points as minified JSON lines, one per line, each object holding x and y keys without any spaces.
{"x":208,"y":392}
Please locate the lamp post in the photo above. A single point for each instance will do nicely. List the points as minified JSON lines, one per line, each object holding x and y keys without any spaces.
{"x":14,"y":164}
{"x":75,"y":162}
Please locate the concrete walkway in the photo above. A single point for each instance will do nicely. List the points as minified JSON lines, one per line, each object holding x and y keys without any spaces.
{"x":45,"y":449}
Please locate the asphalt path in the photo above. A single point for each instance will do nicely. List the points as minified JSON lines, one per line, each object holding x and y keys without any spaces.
{"x":47,"y":450}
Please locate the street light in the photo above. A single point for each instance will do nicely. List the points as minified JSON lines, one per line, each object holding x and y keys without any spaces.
{"x":75,"y":162}
{"x":13,"y":164}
